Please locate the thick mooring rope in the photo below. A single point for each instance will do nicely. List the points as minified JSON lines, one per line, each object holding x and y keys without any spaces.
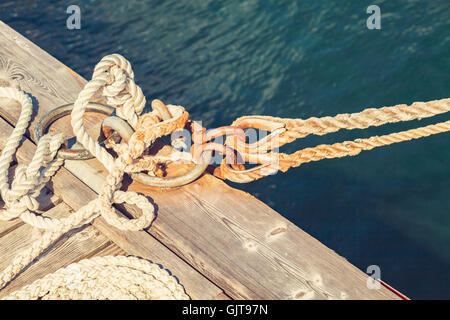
{"x":130,"y":277}
{"x":20,"y":198}
{"x":299,"y":128}
{"x":113,"y":80}
{"x":371,"y":117}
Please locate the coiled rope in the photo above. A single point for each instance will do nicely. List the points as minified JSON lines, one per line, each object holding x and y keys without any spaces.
{"x":106,"y":277}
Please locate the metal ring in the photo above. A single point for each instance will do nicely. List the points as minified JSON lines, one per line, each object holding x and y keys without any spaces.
{"x":117,"y":125}
{"x":47,"y":119}
{"x":178,"y":181}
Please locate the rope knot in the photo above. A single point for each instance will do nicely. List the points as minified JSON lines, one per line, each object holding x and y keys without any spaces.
{"x":120,"y":90}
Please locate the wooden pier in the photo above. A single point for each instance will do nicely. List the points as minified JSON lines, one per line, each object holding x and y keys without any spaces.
{"x":221,"y":243}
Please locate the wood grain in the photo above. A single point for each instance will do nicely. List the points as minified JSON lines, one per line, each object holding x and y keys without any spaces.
{"x":235,"y":240}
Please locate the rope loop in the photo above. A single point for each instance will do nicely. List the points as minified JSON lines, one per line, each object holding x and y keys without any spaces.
{"x":120,"y":90}
{"x":124,"y":223}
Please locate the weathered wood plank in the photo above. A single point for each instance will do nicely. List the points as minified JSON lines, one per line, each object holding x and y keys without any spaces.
{"x":8,"y":226}
{"x":23,"y":236}
{"x":111,"y":250}
{"x":238,"y":242}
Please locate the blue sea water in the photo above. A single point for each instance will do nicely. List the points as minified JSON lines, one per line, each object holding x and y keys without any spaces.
{"x":223,"y":59}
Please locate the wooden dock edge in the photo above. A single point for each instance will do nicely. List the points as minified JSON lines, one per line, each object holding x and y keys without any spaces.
{"x":217,"y":240}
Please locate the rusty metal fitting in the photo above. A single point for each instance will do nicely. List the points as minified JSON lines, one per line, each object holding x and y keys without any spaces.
{"x":47,"y":119}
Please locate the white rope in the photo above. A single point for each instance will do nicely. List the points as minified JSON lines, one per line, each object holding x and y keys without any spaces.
{"x":113,"y":81}
{"x":20,"y":197}
{"x":107,"y":277}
